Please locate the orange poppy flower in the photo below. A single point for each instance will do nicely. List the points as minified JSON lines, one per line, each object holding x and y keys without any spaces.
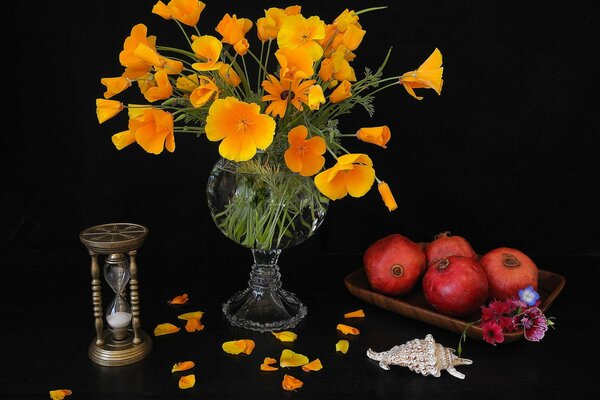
{"x":241,"y":128}
{"x":208,"y":49}
{"x":229,"y":75}
{"x":153,"y":130}
{"x":304,"y":156}
{"x":187,"y":83}
{"x":379,"y":135}
{"x":346,"y":19}
{"x":352,"y":174}
{"x":268,"y":26}
{"x":163,"y":89}
{"x":242,"y":47}
{"x":341,"y":93}
{"x":294,"y":63}
{"x":297,"y":31}
{"x":428,"y":76}
{"x":115,"y":85}
{"x":387,"y":196}
{"x":353,"y":37}
{"x":280,"y":93}
{"x":326,"y":70}
{"x":134,"y":66}
{"x":341,"y":68}
{"x":233,"y":28}
{"x":203,"y":93}
{"x":185,"y":11}
{"x":290,"y":383}
{"x":123,"y":139}
{"x":315,"y":97}
{"x":106,"y":109}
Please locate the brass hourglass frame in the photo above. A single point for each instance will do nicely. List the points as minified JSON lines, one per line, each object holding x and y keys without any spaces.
{"x":121,"y":241}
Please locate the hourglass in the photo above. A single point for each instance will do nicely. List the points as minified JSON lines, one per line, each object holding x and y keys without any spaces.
{"x":123,"y":342}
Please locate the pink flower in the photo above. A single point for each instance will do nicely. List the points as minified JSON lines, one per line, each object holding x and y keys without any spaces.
{"x":533,"y":322}
{"x":492,"y":333}
{"x":499,"y":312}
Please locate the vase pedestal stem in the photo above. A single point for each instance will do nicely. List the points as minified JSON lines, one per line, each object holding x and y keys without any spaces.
{"x":264,"y":306}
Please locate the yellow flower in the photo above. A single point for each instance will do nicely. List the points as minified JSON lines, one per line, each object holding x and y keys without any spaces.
{"x":106,"y":109}
{"x":115,"y":85}
{"x":229,"y":75}
{"x":387,"y":196}
{"x":294,"y":63}
{"x":353,"y":37}
{"x":345,"y":19}
{"x":203,"y":93}
{"x":242,"y":47}
{"x":123,"y":139}
{"x":341,"y":93}
{"x":233,"y":28}
{"x":145,"y":82}
{"x":185,"y":11}
{"x":304,"y":156}
{"x":428,"y":76}
{"x":163,"y":89}
{"x":280,"y":93}
{"x":268,"y":26}
{"x":153,"y":130}
{"x":240,"y":126}
{"x":315,"y":97}
{"x":297,"y":31}
{"x":379,"y":135}
{"x":352,"y":174}
{"x":187,"y":83}
{"x":341,"y":67}
{"x":134,"y":66}
{"x":208,"y":49}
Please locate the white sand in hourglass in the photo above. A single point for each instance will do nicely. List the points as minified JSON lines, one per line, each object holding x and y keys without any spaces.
{"x":119,"y":319}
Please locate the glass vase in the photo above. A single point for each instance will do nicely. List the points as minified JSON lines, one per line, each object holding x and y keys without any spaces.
{"x":263,"y":206}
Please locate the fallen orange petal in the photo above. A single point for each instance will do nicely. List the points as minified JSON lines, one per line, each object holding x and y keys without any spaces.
{"x":238,"y":346}
{"x":269,"y":361}
{"x":290,"y":383}
{"x":249,"y":346}
{"x":60,"y":394}
{"x":314,"y":365}
{"x":355,"y":314}
{"x":188,"y":381}
{"x":265,"y":367}
{"x":183,"y":366}
{"x":193,"y":325}
{"x":165,"y":329}
{"x":347,"y":330}
{"x":342,"y":346}
{"x":290,"y":359}
{"x":190,"y":315}
{"x":181,"y":299}
{"x":285,"y":336}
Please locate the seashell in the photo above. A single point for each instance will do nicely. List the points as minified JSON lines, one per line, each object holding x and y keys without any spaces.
{"x":423,"y":356}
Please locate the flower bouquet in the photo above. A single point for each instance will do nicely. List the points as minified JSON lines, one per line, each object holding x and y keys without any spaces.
{"x":275,"y":128}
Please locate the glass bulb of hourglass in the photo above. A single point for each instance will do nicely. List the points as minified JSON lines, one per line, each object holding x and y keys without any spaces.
{"x":116,"y":273}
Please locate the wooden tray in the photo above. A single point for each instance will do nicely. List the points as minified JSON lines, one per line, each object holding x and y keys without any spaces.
{"x":414,"y":305}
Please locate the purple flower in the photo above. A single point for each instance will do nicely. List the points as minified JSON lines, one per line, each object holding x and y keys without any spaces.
{"x":533,"y":322}
{"x":529,"y":296}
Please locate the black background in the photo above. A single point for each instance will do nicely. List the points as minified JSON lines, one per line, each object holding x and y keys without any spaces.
{"x":506,"y":156}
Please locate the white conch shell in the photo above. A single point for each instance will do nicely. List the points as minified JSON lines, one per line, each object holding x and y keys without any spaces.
{"x":423,"y":356}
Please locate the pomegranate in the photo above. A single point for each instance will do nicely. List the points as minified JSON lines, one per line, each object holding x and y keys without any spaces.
{"x":456,"y":286}
{"x":394,"y":264}
{"x":508,"y":270}
{"x":444,"y":245}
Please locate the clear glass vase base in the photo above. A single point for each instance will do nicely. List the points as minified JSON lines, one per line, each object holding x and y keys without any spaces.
{"x":272,"y":310}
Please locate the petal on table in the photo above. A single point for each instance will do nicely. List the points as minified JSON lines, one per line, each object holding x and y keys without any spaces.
{"x":182,"y":366}
{"x":165,"y":329}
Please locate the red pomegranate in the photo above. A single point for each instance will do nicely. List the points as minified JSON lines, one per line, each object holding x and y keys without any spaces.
{"x":393,"y":264}
{"x":444,"y":245}
{"x":455,"y":286}
{"x":508,"y":271}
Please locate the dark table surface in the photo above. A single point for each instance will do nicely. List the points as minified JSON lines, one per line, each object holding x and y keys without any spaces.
{"x":48,"y":325}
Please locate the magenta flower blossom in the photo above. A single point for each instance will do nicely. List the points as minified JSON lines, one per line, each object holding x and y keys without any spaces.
{"x":499,"y":312}
{"x":492,"y":333}
{"x":529,"y":296}
{"x":533,"y":322}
